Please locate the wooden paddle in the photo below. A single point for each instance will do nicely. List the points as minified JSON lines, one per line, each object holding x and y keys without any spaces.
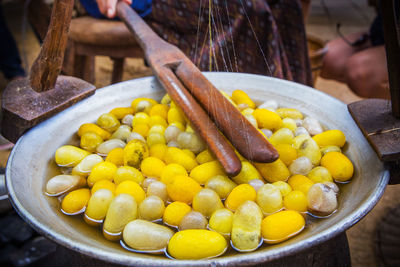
{"x":199,"y":99}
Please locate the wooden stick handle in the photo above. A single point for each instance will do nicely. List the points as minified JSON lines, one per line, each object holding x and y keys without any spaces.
{"x":244,"y":136}
{"x":201,"y":122}
{"x":159,"y":53}
{"x":47,"y":66}
{"x":148,"y":40}
{"x":161,"y":56}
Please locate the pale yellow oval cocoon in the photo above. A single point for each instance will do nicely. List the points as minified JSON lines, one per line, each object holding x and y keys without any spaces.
{"x":289,"y":123}
{"x":221,"y":221}
{"x":106,"y":147}
{"x":282,"y":136}
{"x":320,"y":175}
{"x":103,"y":184}
{"x":176,"y":155}
{"x":75,"y":201}
{"x":98,"y":206}
{"x":174,"y":115}
{"x":284,"y":187}
{"x":295,"y":200}
{"x":204,"y":156}
{"x":122,"y":133}
{"x":221,"y":184}
{"x":247,"y":173}
{"x":298,"y":140}
{"x":70,"y":156}
{"x":309,"y":148}
{"x":86,"y":165}
{"x":158,"y":151}
{"x":151,"y":208}
{"x":282,"y":225}
{"x":239,"y":195}
{"x":136,"y":101}
{"x":269,"y":198}
{"x":121,"y":112}
{"x":125,"y":173}
{"x":183,"y":189}
{"x":206,"y":170}
{"x":241,"y":97}
{"x":340,"y":167}
{"x":63,"y":183}
{"x":274,"y":171}
{"x":134,"y":152}
{"x":102,"y":171}
{"x":131,"y":188}
{"x":146,"y":236}
{"x":152,"y":166}
{"x":246,"y":226}
{"x":300,"y":182}
{"x":170,"y":171}
{"x":108,"y":122}
{"x":196,"y":244}
{"x":206,"y":201}
{"x":174,"y":213}
{"x":122,"y":210}
{"x":330,"y":138}
{"x":267,"y":119}
{"x":91,"y":127}
{"x":289,"y":113}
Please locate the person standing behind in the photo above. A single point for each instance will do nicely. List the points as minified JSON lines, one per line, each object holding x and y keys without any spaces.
{"x":264,"y":37}
{"x":359,"y":60}
{"x":10,"y":61}
{"x":107,"y":8}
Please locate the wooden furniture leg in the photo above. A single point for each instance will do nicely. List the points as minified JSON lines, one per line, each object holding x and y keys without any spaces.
{"x":84,"y":67}
{"x":118,"y":70}
{"x":39,"y":17}
{"x":69,"y":57}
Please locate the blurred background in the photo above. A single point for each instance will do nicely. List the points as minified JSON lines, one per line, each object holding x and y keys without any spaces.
{"x":353,"y":15}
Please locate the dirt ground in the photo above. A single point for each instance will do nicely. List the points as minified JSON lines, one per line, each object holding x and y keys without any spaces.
{"x":353,"y":15}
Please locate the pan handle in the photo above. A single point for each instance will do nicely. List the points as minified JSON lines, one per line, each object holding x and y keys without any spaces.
{"x":148,"y":40}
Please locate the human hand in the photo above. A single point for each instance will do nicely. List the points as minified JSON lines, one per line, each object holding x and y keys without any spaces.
{"x":109,"y":7}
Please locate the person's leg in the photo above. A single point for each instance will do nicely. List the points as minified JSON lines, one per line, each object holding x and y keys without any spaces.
{"x":366,"y":73}
{"x":10,"y":62}
{"x":339,"y":51}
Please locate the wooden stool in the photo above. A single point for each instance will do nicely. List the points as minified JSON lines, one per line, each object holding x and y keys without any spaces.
{"x":90,"y":37}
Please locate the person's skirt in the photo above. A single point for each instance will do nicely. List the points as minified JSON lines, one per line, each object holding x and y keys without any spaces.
{"x":251,"y":36}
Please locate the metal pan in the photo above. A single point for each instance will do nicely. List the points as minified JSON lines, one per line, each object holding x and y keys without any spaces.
{"x":31,"y":164}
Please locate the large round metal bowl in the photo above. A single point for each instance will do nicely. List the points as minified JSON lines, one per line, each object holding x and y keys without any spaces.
{"x":31,"y":164}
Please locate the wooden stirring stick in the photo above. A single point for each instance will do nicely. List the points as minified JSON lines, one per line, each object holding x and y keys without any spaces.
{"x":242,"y":134}
{"x":173,"y":68}
{"x":158,"y":55}
{"x":201,"y":122}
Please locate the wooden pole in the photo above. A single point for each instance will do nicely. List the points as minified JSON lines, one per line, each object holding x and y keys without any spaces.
{"x":47,"y":66}
{"x":391,"y":30}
